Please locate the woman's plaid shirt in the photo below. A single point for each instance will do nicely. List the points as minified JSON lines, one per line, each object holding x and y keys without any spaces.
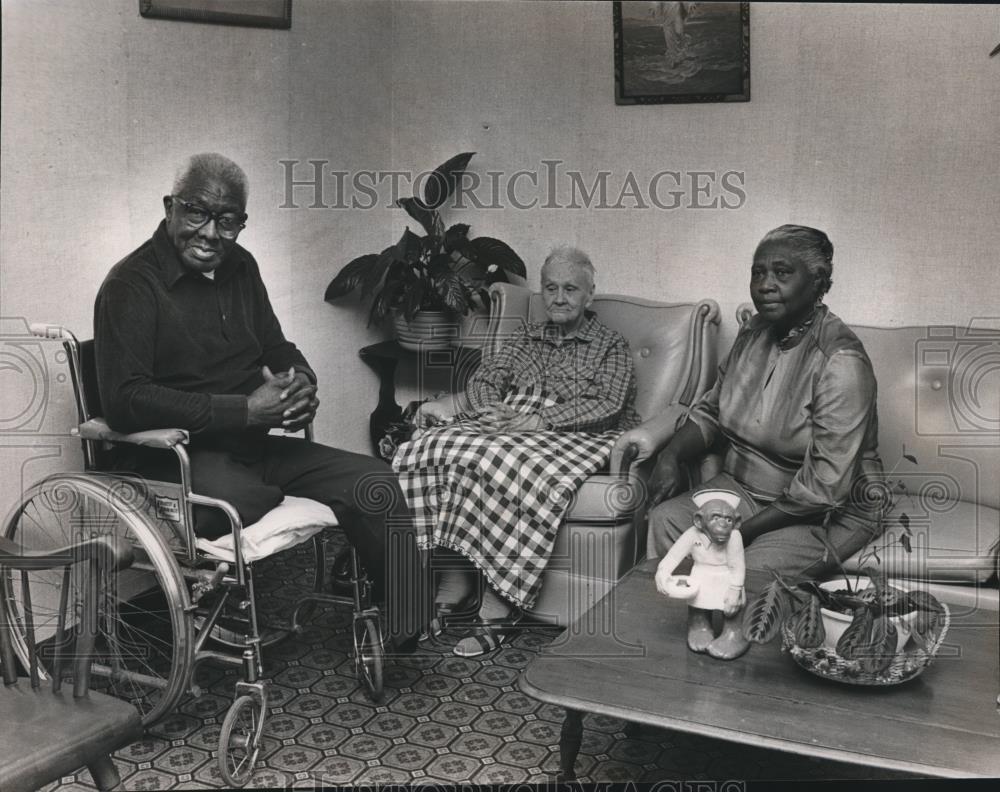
{"x":589,"y":376}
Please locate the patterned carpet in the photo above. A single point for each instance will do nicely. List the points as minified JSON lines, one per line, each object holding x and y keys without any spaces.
{"x":444,"y":719}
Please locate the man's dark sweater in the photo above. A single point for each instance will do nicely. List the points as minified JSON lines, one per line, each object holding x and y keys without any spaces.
{"x":177,"y":349}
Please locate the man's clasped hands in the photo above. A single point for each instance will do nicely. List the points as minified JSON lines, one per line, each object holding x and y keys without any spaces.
{"x":286,"y":400}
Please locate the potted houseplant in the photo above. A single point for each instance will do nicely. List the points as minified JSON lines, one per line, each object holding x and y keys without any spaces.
{"x":855,"y":628}
{"x":425,"y":281}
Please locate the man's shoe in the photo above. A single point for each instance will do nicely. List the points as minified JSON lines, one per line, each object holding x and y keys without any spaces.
{"x":403,"y":646}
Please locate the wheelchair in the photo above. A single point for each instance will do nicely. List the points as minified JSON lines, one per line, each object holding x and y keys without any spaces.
{"x":182,"y":602}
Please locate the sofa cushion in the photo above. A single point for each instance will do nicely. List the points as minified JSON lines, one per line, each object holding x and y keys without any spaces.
{"x":955,"y":542}
{"x":593,"y":550}
{"x":604,"y":497}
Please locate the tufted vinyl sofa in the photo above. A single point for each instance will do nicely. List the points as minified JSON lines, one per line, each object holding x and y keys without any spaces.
{"x":939,"y":396}
{"x":674,"y":350}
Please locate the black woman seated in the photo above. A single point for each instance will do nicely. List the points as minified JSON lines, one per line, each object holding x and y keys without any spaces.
{"x":491,"y":475}
{"x":794,"y":403}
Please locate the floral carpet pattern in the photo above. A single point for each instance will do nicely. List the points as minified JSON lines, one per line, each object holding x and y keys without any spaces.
{"x":443,"y":720}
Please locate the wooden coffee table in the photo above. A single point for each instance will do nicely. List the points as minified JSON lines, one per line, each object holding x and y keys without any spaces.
{"x":627,"y":658}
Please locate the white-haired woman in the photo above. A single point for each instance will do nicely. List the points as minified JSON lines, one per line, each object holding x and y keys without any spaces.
{"x":538,"y":416}
{"x":794,"y":404}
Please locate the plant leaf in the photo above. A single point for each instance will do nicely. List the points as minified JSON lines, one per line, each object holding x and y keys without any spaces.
{"x":875,"y":575}
{"x":809,"y":629}
{"x":762,"y":618}
{"x":454,"y":293}
{"x":484,"y":297}
{"x":439,"y":265}
{"x":492,"y":252}
{"x":409,"y":246}
{"x":389,"y":298}
{"x":348,"y":279}
{"x":879,"y":652}
{"x":456,"y":237}
{"x":444,"y":178}
{"x":377,"y":272}
{"x":925,"y":628}
{"x":380,"y":309}
{"x":414,"y":298}
{"x":424,"y":215}
{"x":926,"y":601}
{"x":856,"y":635}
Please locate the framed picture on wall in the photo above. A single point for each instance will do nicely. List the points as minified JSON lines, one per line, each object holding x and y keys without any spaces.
{"x":671,"y":52}
{"x":250,"y":13}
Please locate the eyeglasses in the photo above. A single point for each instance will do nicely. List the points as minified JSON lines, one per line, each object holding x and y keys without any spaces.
{"x":227,"y":224}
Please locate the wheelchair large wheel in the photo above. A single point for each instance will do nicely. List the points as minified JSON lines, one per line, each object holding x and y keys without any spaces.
{"x":144,"y":648}
{"x":240,"y":740}
{"x":369,"y":656}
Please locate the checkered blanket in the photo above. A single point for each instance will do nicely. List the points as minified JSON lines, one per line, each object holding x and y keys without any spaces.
{"x":498,"y":499}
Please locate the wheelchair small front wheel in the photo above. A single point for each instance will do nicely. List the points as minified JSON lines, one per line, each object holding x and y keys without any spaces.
{"x":369,"y":655}
{"x":240,"y":740}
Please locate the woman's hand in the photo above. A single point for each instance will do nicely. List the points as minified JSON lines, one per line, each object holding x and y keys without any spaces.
{"x":525,"y":422}
{"x":502,"y":417}
{"x":497,"y":417}
{"x":432,"y":413}
{"x":666,"y":480}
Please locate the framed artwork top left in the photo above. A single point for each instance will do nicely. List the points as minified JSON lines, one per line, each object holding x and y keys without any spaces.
{"x":249,"y":13}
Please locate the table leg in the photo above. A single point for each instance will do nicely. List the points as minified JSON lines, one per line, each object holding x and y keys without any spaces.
{"x":387,"y":411}
{"x":570,"y":739}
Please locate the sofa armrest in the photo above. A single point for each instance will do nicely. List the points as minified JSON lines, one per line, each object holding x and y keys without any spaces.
{"x":509,"y":311}
{"x":98,"y":429}
{"x":649,"y":437}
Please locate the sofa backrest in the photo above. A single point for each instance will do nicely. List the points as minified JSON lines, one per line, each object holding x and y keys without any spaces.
{"x":673,"y":346}
{"x":939,"y":396}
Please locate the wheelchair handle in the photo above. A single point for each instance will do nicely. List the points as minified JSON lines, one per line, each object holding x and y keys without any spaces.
{"x":43,"y":330}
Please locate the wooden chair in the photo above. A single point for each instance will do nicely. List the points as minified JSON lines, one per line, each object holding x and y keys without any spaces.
{"x":47,"y":733}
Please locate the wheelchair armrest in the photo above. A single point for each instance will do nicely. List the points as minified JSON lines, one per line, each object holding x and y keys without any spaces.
{"x":649,"y":437}
{"x":114,"y":552}
{"x":98,"y":429}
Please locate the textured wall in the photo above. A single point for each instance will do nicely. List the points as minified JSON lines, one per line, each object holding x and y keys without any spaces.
{"x":100,"y":105}
{"x":876,"y":123}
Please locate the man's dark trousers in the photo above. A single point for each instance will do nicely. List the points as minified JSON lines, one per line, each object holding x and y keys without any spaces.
{"x":362,"y":491}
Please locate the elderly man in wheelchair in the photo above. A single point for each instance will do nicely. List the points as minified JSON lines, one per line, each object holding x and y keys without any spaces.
{"x":188,"y":373}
